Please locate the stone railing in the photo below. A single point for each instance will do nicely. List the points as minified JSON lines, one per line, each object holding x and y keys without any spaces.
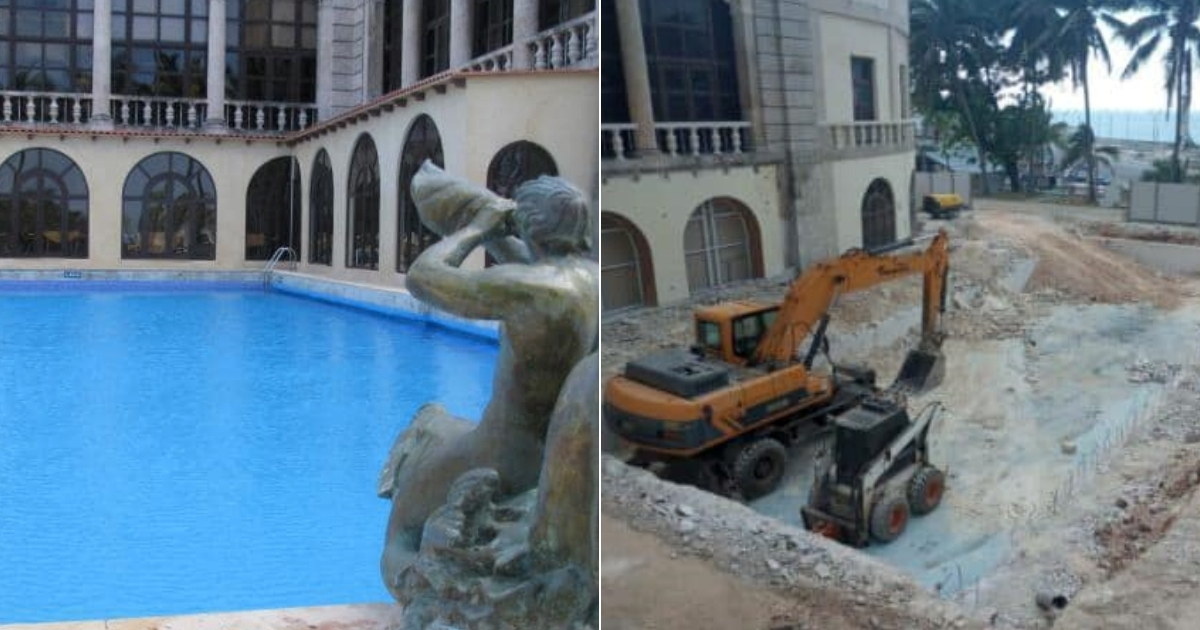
{"x":869,"y":135}
{"x":152,"y":112}
{"x":45,"y":107}
{"x":498,"y":60}
{"x":158,"y":112}
{"x":677,"y":139}
{"x":572,"y":44}
{"x":267,"y":117}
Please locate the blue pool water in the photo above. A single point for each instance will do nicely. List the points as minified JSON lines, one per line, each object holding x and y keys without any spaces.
{"x":177,"y":452}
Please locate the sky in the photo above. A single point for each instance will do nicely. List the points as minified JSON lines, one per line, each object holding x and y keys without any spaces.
{"x":1144,"y":91}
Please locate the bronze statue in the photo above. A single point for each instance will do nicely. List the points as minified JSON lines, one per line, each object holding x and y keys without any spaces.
{"x":459,"y":486}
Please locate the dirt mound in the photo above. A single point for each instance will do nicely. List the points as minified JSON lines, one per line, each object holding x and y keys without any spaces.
{"x":796,"y":579}
{"x":1077,"y":268}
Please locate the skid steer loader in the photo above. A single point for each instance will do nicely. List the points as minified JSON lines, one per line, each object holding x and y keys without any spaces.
{"x":877,"y":475}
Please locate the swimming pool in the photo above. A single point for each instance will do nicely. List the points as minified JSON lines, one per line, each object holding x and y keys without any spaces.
{"x":178,"y":451}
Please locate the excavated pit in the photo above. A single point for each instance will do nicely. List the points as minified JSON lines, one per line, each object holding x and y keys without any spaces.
{"x":1060,"y":353}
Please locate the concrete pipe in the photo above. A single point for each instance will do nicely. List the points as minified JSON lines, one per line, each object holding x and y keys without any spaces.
{"x":1051,"y":601}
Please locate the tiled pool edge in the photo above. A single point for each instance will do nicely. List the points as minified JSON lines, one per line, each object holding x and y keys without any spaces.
{"x":358,"y":616}
{"x":388,"y":301}
{"x":384,"y":300}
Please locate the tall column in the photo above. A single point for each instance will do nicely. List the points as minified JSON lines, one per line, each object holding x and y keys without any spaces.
{"x":216,"y":65}
{"x":525,"y":27}
{"x":101,"y":63}
{"x":637,"y":75}
{"x":325,"y":59}
{"x":372,"y":49}
{"x":410,"y":68}
{"x":462,"y":27}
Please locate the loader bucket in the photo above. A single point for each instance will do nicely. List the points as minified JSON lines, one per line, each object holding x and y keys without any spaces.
{"x":922,"y":370}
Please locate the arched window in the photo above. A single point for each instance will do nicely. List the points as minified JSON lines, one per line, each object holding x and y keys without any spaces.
{"x":43,"y":206}
{"x":878,"y":215}
{"x":273,"y":209}
{"x":320,"y":211}
{"x":362,"y":221}
{"x":721,"y":244}
{"x":423,"y":143}
{"x":169,"y":209}
{"x":626,"y":274}
{"x":516,"y":164}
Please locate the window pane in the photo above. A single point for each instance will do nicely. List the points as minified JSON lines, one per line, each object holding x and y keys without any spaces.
{"x":171,"y":29}
{"x":283,"y":36}
{"x":57,"y":56}
{"x":172,"y":7}
{"x":58,"y":25}
{"x":29,"y":24}
{"x":145,"y":28}
{"x":83,"y":26}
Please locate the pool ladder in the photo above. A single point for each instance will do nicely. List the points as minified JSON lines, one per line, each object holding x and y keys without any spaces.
{"x":274,"y":261}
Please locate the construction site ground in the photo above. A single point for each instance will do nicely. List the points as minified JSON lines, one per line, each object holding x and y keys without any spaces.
{"x":1071,"y":439}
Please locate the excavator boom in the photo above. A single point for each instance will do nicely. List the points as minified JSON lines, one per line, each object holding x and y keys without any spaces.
{"x":812,"y":294}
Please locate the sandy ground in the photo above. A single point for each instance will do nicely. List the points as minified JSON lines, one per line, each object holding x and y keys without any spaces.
{"x":1068,"y":394}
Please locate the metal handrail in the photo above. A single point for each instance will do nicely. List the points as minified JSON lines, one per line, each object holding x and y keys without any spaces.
{"x":274,"y":260}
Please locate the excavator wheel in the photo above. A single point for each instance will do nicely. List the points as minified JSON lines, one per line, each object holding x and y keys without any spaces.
{"x":758,"y":467}
{"x":925,"y":490}
{"x":889,"y":517}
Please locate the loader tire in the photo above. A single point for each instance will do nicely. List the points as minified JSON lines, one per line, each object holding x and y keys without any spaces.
{"x":889,"y":517}
{"x":925,"y":490}
{"x":758,"y":468}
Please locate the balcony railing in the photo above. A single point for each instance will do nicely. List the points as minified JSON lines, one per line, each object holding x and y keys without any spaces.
{"x":677,"y":139}
{"x":571,"y":44}
{"x":158,"y":113}
{"x":266,"y":117}
{"x":45,"y":107}
{"x":869,"y":134}
{"x":153,"y":112}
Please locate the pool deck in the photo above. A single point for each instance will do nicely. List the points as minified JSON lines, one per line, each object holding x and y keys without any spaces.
{"x":347,"y":617}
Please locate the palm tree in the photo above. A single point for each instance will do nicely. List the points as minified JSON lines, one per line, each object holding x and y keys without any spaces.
{"x":1172,"y":22}
{"x":1081,"y":147}
{"x":952,"y":43}
{"x":1066,"y":34}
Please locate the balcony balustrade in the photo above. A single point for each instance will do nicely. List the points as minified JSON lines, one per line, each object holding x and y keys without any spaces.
{"x":677,"y":139}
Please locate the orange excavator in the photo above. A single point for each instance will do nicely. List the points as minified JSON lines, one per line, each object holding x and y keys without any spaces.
{"x":727,"y":408}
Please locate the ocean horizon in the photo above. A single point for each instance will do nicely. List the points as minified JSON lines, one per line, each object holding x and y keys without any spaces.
{"x":1146,"y":126}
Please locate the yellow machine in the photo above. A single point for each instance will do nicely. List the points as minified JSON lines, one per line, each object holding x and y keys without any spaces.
{"x":734,"y":400}
{"x":943,"y":205}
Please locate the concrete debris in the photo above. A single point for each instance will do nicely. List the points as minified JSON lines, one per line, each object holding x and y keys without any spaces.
{"x":1071,"y":379}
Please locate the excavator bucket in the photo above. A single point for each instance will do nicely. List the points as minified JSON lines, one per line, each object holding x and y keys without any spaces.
{"x":923,"y":369}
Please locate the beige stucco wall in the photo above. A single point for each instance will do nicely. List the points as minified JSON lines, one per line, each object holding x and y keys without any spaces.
{"x":475,"y":121}
{"x":475,"y":116}
{"x":106,"y":161}
{"x":849,"y":180}
{"x":660,"y":205}
{"x":842,"y":37}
